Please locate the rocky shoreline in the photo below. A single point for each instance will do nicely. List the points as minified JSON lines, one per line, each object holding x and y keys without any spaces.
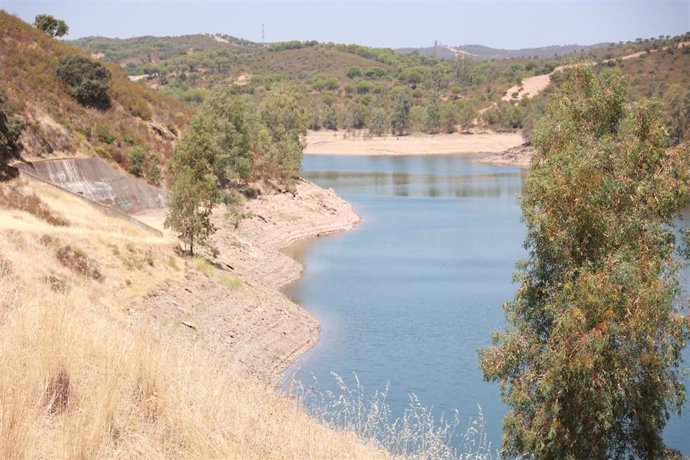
{"x":520,"y":155}
{"x":234,"y":309}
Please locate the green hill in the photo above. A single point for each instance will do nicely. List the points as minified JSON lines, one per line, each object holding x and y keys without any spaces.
{"x":140,"y":122}
{"x":349,"y":86}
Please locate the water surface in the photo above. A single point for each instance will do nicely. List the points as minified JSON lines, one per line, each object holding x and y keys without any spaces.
{"x":408,"y":296}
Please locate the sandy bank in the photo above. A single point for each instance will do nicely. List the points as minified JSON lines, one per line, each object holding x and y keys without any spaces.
{"x":238,"y":313}
{"x":340,"y":143}
{"x":520,"y":155}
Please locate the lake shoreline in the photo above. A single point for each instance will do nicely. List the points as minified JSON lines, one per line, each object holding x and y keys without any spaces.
{"x":507,"y":149}
{"x":344,"y":143}
{"x":253,"y":327}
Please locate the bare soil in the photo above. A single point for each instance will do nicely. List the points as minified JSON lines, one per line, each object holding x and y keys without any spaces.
{"x":515,"y":156}
{"x":235,"y":309}
{"x":342,"y":143}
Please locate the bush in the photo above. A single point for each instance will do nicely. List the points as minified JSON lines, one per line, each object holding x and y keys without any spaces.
{"x":86,"y":80}
{"x":31,"y":204}
{"x":136,"y":162}
{"x":10,"y":130}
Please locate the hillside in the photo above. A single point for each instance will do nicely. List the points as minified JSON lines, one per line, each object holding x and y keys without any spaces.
{"x":112,"y":344}
{"x":540,"y":52}
{"x":115,"y":347}
{"x":140,"y":121}
{"x":352,"y":87}
{"x":486,"y":52}
{"x":130,"y":52}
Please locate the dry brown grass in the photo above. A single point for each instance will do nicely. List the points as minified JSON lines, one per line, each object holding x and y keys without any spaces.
{"x":31,"y":204}
{"x":79,"y":381}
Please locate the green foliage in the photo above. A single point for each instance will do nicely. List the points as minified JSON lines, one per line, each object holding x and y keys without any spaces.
{"x":330,"y":118}
{"x":504,"y":116}
{"x":677,"y":103}
{"x":50,"y":25}
{"x":235,"y":129}
{"x":400,"y":120}
{"x":137,"y":158}
{"x":433,"y":115}
{"x":86,"y":80}
{"x":257,"y":143}
{"x":357,"y":116}
{"x":467,"y":114}
{"x":11,"y":128}
{"x":448,"y":116}
{"x":286,"y":123}
{"x":418,"y":119}
{"x":354,"y":72}
{"x":194,"y":191}
{"x":378,"y":122}
{"x":589,"y":364}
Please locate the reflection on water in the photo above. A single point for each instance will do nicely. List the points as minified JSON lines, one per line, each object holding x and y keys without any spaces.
{"x":416,"y":184}
{"x":408,"y":297}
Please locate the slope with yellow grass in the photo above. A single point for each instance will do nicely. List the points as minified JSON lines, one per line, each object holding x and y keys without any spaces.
{"x":89,"y":367}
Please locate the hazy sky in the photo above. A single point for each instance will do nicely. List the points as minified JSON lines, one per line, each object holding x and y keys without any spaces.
{"x":503,"y":24}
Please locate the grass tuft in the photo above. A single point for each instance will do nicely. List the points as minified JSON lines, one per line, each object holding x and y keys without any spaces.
{"x":417,"y":433}
{"x":31,"y":204}
{"x":57,"y":392}
{"x":221,"y":276}
{"x":76,"y":260}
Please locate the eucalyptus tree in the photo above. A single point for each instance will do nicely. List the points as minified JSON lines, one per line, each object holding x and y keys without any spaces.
{"x":589,"y":362}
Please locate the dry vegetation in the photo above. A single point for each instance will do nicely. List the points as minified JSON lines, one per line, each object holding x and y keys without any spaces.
{"x":80,"y":380}
{"x":57,"y":124}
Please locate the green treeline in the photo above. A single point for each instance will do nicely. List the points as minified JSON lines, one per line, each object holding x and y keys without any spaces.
{"x":233,"y":148}
{"x":349,"y":87}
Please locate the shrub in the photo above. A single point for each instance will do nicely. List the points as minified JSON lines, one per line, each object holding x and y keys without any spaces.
{"x":52,"y":26}
{"x":136,"y":162}
{"x":77,"y":261}
{"x":31,"y":204}
{"x":10,"y":130}
{"x":86,"y":80}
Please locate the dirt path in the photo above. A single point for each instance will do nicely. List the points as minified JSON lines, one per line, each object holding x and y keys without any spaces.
{"x":531,"y":86}
{"x":237,"y":311}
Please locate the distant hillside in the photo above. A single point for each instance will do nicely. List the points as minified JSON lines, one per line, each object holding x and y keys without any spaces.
{"x":140,"y":122}
{"x":353,"y":87}
{"x":542,"y":52}
{"x":481,"y":51}
{"x":439,"y":52}
{"x":153,"y":50}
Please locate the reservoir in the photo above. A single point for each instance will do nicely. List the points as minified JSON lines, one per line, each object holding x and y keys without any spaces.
{"x":407,"y":298}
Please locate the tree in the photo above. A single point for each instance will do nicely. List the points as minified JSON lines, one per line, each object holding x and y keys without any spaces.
{"x":286,"y":130}
{"x":400,"y":120}
{"x":194,"y":190}
{"x":433,"y":115}
{"x":449,"y":116}
{"x":354,"y":72}
{"x":677,"y":104}
{"x":357,"y":118}
{"x":50,"y":25}
{"x":86,"y":80}
{"x":330,"y":119}
{"x":11,"y":128}
{"x":418,"y":119}
{"x":589,"y":364}
{"x":378,"y":122}
{"x":235,"y":128}
{"x":467,"y":113}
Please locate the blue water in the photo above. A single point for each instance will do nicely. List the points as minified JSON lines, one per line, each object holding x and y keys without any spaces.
{"x":408,"y":297}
